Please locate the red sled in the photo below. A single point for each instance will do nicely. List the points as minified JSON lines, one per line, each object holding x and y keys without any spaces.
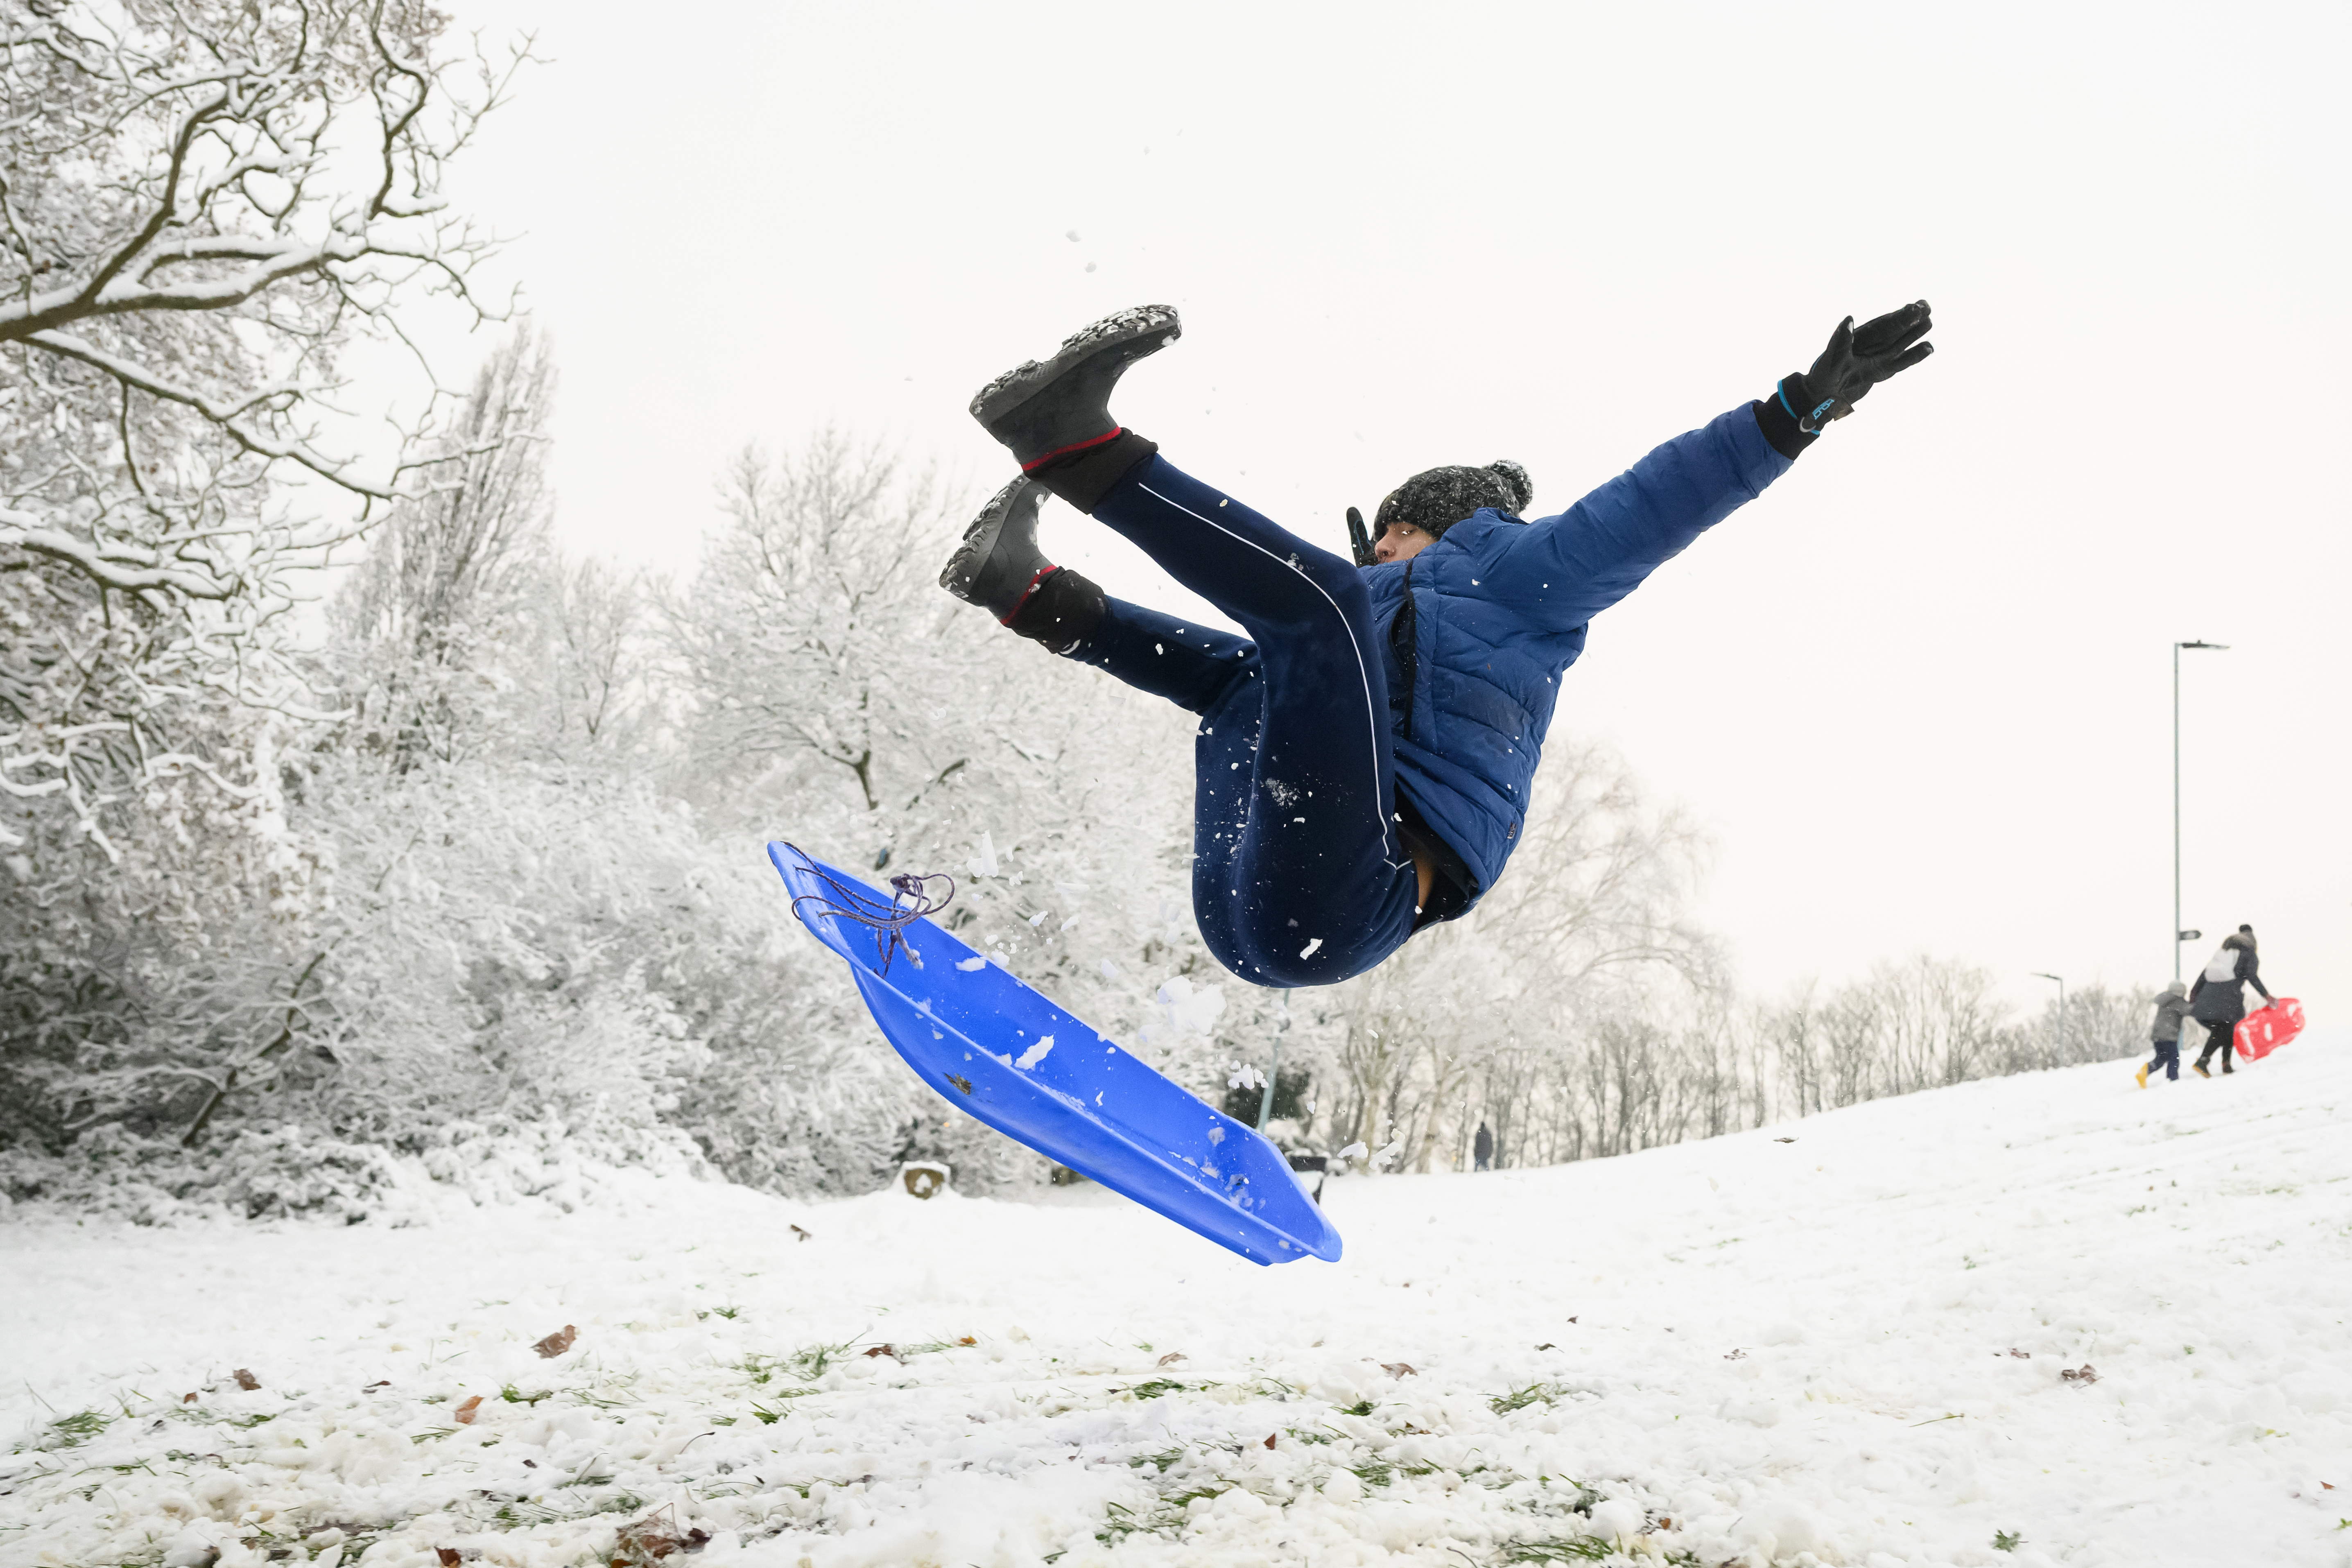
{"x":2265,"y":1029}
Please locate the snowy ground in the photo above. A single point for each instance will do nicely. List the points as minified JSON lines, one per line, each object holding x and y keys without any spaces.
{"x":1849,"y":1348}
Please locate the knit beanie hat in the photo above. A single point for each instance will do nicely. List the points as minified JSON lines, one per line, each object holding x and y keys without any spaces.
{"x":1434,"y":500}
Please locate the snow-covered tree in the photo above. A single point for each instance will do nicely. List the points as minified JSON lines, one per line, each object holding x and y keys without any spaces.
{"x":201,"y":202}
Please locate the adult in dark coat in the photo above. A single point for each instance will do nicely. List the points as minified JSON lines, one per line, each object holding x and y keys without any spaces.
{"x":1482,"y":1150}
{"x":2218,"y":1000}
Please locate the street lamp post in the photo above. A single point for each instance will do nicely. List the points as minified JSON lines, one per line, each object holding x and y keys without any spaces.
{"x":2060,"y":979}
{"x":2180,"y":936}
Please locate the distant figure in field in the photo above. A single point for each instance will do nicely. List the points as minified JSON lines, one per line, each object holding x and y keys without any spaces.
{"x":2171,"y":1008}
{"x":1481,"y":1151}
{"x":2218,"y":1000}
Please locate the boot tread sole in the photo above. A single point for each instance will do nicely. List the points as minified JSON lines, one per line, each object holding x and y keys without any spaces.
{"x":1016,"y":386}
{"x":980,"y":540}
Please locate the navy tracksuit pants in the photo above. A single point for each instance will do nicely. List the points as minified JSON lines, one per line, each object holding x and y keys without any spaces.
{"x":1300,"y":877}
{"x":2168,"y":1057}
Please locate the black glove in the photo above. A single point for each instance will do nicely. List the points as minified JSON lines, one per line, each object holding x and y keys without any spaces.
{"x":1857,"y":358}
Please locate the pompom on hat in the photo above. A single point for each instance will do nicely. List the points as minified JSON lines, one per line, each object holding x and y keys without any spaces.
{"x":1434,"y":500}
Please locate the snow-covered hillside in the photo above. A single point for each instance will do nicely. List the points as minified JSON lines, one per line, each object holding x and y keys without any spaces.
{"x":2101,"y":1325}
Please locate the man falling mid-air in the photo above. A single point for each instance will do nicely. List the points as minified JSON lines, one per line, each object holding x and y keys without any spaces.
{"x":1365,"y":753}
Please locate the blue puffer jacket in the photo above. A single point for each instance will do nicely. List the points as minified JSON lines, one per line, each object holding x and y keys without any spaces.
{"x":1500,"y":609}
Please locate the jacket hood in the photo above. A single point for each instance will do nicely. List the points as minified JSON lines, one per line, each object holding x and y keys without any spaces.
{"x":2172,"y":993}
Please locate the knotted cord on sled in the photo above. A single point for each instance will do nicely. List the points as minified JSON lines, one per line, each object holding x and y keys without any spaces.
{"x":911,"y":900}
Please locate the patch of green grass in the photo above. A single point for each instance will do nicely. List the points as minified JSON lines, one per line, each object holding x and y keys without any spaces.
{"x":1119,"y":1523}
{"x":1165,"y":1459}
{"x":769,"y":1418}
{"x":514,"y":1395}
{"x":810,"y":1362}
{"x":1160,"y":1385}
{"x":73,"y":1431}
{"x":1363,"y":1407}
{"x":1375,"y":1472}
{"x":929,"y":1347}
{"x":1583,"y":1549}
{"x":2007,"y":1540}
{"x":1520,"y":1398}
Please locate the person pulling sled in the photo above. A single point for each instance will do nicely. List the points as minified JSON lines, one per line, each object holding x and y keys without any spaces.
{"x":2218,"y":1000}
{"x":1366,"y":749}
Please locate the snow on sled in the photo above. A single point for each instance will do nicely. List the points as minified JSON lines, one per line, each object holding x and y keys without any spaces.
{"x":998,"y":1050}
{"x":2265,"y":1029}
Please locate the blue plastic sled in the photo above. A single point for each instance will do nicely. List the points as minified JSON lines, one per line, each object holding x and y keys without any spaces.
{"x":1057,"y":1085}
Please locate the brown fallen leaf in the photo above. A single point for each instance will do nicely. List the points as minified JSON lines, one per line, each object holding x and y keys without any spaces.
{"x":1784,"y":1140}
{"x":967,"y":1340}
{"x":696,"y":1540}
{"x":650,"y":1538}
{"x":890,"y":1350}
{"x":2327,"y":1485}
{"x":1270,"y":1436}
{"x":805,"y":1235}
{"x":247,"y":1380}
{"x":372,"y":1388}
{"x":1399,"y":1369}
{"x":1546,"y":1345}
{"x":556,"y":1345}
{"x":466,"y":1413}
{"x":448,"y":1555}
{"x":1572,"y":1319}
{"x":2082,"y":1374}
{"x":187,"y":1399}
{"x":1171,"y":1359}
{"x":2022,"y":1355}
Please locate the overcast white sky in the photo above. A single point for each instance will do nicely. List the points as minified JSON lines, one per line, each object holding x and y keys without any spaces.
{"x":1921,"y":692}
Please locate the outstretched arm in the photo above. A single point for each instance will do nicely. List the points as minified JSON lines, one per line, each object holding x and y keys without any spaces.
{"x":2252,"y":966}
{"x":1568,"y":568}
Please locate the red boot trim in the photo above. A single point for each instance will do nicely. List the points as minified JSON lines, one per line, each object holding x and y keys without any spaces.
{"x":1035,"y":583}
{"x":1091,"y":442}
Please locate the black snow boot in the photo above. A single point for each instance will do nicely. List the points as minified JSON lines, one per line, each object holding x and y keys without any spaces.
{"x":999,"y":568}
{"x":1055,"y":416}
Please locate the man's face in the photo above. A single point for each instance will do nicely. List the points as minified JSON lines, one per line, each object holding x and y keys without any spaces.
{"x":1402,"y":542}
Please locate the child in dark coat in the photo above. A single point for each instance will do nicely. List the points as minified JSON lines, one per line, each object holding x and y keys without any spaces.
{"x":2171,"y":1008}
